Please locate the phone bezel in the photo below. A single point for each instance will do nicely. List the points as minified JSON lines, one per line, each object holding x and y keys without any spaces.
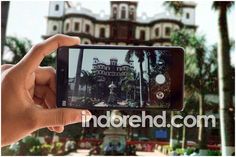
{"x":62,"y":73}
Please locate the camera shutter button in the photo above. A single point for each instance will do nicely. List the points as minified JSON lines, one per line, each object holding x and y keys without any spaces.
{"x":160,"y":79}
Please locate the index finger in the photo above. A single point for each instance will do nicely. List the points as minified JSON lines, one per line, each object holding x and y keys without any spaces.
{"x":32,"y":60}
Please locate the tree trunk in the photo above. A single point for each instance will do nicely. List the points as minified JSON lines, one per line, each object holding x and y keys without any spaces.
{"x":172,"y":140}
{"x":86,"y":90}
{"x":149,"y":85}
{"x":184,"y":137}
{"x":202,"y":138}
{"x":78,"y":72}
{"x":4,"y":12}
{"x":140,"y":84}
{"x":227,"y":123}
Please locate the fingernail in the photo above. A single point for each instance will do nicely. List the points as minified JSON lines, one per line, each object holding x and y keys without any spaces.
{"x":77,"y":38}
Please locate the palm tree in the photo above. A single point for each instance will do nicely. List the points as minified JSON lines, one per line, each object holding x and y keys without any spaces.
{"x":151,"y":60}
{"x":201,"y":74}
{"x":225,"y":79}
{"x":140,"y":55}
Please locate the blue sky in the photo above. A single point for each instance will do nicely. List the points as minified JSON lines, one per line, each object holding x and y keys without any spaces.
{"x":28,"y":18}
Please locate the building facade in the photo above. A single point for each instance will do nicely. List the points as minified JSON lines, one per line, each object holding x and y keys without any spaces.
{"x":121,"y":27}
{"x":107,"y":73}
{"x":110,"y":71}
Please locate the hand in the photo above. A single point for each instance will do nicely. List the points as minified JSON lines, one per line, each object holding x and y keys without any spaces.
{"x":29,"y":94}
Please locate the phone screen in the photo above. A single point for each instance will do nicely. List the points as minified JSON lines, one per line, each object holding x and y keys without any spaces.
{"x":122,"y":78}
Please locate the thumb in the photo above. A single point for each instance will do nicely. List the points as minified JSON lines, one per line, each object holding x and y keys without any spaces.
{"x":62,"y":116}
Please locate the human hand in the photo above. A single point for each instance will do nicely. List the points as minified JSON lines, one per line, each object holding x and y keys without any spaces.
{"x":29,"y":94}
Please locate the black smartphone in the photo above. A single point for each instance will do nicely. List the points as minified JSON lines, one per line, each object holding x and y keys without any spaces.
{"x":120,"y":77}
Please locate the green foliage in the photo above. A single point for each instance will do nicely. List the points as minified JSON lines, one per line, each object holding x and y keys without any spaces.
{"x":200,"y":71}
{"x":19,"y":47}
{"x":222,"y":4}
{"x":175,"y":6}
{"x":46,"y":148}
{"x":176,"y":146}
{"x":214,"y":153}
{"x":30,"y":146}
{"x":200,"y":62}
{"x":180,"y":151}
{"x":57,"y":147}
{"x":7,"y":151}
{"x":36,"y":150}
{"x":72,"y":131}
{"x":189,"y":151}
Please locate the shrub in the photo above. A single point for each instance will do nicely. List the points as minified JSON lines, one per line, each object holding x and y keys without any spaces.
{"x":189,"y":151}
{"x":214,"y":153}
{"x":57,"y":147}
{"x":180,"y":151}
{"x":36,"y":150}
{"x":29,"y":146}
{"x":8,"y":151}
{"x":46,"y":149}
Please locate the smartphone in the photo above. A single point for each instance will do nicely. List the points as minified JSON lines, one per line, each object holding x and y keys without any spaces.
{"x":120,"y":77}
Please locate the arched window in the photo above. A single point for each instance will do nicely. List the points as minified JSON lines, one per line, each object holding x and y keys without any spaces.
{"x":167,"y":31}
{"x":187,"y":15}
{"x":56,"y":7}
{"x":67,"y":27}
{"x":157,"y":32}
{"x":102,"y":33}
{"x":131,"y":14}
{"x":76,"y":27}
{"x":114,"y":12}
{"x":123,"y":13}
{"x":142,"y":34}
{"x":54,"y":28}
{"x":87,"y":28}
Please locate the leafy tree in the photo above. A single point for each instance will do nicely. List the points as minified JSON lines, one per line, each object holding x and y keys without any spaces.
{"x":19,"y":47}
{"x":141,"y":56}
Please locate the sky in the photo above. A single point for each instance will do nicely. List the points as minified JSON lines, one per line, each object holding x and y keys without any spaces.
{"x":103,"y":55}
{"x":28,"y":18}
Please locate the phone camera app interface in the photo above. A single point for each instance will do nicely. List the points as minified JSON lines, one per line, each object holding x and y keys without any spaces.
{"x":121,"y":78}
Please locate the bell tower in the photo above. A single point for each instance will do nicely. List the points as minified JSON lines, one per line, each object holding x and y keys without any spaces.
{"x":56,"y":8}
{"x":124,"y":10}
{"x":188,"y":16}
